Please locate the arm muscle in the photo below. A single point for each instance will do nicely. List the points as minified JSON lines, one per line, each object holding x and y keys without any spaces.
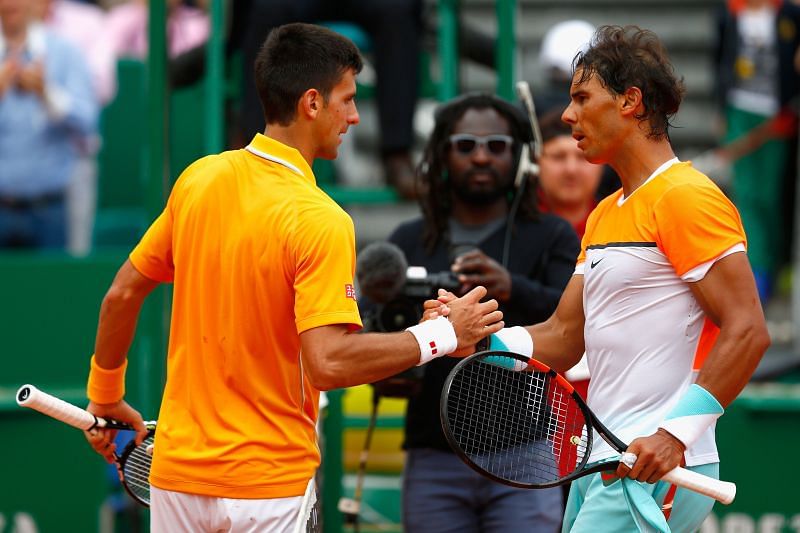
{"x":728,"y":296}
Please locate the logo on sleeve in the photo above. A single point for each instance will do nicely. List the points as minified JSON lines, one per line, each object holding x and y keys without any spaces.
{"x":349,"y":291}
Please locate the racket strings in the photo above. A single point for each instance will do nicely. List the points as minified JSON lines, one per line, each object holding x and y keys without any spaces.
{"x":136,"y":470}
{"x":309,"y":519}
{"x":518,"y":426}
{"x":314,"y":522}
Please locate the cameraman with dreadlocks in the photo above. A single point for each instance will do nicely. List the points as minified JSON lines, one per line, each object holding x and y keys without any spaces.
{"x":524,"y":261}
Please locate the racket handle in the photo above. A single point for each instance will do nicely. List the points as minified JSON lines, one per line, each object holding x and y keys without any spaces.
{"x":30,"y":396}
{"x":722,"y":491}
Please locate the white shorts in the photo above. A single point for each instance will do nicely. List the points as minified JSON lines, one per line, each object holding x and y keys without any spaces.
{"x":177,"y":512}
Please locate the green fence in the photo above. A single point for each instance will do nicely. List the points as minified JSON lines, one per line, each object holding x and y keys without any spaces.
{"x":122,"y":162}
{"x":757,"y":439}
{"x":49,"y":474}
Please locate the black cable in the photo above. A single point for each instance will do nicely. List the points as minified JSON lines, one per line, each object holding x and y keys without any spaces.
{"x":512,"y":215}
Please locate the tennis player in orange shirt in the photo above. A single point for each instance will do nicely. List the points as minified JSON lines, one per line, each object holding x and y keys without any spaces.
{"x":264,"y":311}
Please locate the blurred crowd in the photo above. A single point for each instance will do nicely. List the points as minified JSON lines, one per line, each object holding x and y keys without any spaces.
{"x":57,"y":73}
{"x":58,"y":67}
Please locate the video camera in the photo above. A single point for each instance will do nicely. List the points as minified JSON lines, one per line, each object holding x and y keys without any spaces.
{"x":405,"y":309}
{"x":395,"y":294}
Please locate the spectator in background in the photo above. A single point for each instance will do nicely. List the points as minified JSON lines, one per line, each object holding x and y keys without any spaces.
{"x":757,"y":41}
{"x":567,"y":181}
{"x":47,"y":106}
{"x":395,"y":28}
{"x":187,"y":28}
{"x":468,"y":167}
{"x":83,"y":25}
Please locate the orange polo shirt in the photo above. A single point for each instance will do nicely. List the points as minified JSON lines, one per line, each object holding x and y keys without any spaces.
{"x":258,"y":254}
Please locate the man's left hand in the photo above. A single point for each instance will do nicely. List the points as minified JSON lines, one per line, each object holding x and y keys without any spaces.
{"x":655,"y":456}
{"x":102,"y":439}
{"x":476,"y":268}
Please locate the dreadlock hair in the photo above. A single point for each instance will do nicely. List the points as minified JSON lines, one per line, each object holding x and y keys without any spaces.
{"x":432,"y":171}
{"x":625,"y":57}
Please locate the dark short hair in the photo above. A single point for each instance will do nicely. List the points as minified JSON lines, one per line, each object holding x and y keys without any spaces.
{"x":435,"y":197}
{"x":625,"y":57}
{"x":298,"y":57}
{"x":552,"y":126}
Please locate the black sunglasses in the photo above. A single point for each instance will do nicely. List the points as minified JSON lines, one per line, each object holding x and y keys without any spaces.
{"x":466,"y":143}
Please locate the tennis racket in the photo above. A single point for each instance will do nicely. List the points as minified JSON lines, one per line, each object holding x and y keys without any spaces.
{"x":530,"y":429}
{"x":133,"y":462}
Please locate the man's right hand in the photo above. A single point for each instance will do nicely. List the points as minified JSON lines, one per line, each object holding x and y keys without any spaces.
{"x":9,"y":70}
{"x":102,"y":440}
{"x":433,"y":309}
{"x":472,"y":319}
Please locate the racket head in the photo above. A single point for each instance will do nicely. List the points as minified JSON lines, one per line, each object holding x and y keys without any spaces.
{"x":523,"y":428}
{"x":134,"y":465}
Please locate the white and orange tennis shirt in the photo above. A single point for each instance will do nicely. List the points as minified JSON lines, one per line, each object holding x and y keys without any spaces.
{"x":645,"y":332}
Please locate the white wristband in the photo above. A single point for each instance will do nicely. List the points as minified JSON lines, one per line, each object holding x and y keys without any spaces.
{"x":516,"y":339}
{"x":435,"y":338}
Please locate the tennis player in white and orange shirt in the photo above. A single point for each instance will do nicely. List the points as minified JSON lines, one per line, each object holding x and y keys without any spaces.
{"x":663,"y":299}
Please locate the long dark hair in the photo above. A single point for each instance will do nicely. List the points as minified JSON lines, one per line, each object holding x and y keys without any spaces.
{"x":432,"y":170}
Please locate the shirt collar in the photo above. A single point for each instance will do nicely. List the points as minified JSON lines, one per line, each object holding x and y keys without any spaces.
{"x":661,"y":169}
{"x":277,"y":152}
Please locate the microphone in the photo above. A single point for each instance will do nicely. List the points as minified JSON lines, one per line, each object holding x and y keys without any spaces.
{"x":528,"y":163}
{"x":381,"y":271}
{"x":531,"y":152}
{"x":524,"y":93}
